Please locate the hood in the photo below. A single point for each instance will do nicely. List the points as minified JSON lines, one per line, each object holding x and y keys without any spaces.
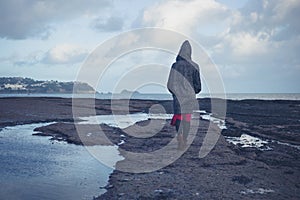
{"x":185,"y":51}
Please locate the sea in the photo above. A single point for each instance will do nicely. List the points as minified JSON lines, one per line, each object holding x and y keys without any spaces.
{"x":163,"y":96}
{"x":35,"y":168}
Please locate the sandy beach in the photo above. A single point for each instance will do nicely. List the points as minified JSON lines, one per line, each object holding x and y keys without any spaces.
{"x":234,"y":169}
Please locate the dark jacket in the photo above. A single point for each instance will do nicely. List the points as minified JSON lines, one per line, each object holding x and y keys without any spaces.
{"x":184,"y":81}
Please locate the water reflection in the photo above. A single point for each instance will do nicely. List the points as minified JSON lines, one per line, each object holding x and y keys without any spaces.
{"x":34,"y":167}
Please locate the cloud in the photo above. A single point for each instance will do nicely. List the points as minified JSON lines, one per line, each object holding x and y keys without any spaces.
{"x":260,"y":41}
{"x":264,"y":32}
{"x":65,"y":54}
{"x":30,"y":60}
{"x":276,"y":18}
{"x":183,"y":16}
{"x":112,"y":23}
{"x":60,"y":54}
{"x":21,"y":19}
{"x":261,"y":31}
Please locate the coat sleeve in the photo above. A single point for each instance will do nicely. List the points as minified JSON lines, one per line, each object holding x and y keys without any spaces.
{"x":197,"y":81}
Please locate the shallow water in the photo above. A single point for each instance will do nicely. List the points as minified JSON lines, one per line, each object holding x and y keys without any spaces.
{"x":122,"y":121}
{"x":33,"y":167}
{"x":249,"y":141}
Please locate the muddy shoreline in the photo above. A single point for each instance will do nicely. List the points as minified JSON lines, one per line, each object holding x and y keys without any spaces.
{"x":228,"y":172}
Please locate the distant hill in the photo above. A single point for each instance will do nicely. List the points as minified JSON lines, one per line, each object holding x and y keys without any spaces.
{"x":128,"y":92}
{"x":27,"y":85}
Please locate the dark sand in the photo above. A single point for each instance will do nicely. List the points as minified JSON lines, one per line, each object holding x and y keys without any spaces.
{"x":228,"y":172}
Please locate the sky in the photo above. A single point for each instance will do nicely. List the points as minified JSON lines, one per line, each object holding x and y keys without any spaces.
{"x":254,"y":44}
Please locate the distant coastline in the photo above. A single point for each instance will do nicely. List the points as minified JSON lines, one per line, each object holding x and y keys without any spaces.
{"x":20,"y":85}
{"x":27,"y":87}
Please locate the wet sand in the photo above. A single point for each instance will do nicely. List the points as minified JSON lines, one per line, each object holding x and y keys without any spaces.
{"x":228,"y":172}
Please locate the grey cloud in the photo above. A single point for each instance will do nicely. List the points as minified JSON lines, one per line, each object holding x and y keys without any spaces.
{"x":30,"y":60}
{"x":261,"y":47}
{"x":48,"y":59}
{"x":64,"y":54}
{"x":278,"y":18}
{"x":111,"y":24}
{"x":275,"y":25}
{"x":21,"y":19}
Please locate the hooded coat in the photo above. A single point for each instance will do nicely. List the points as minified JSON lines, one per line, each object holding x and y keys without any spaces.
{"x":184,"y":81}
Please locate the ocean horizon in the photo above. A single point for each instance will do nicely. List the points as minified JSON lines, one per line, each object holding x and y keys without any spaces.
{"x":163,"y":96}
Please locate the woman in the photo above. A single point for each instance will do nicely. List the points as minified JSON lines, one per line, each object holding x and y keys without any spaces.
{"x":184,"y":83}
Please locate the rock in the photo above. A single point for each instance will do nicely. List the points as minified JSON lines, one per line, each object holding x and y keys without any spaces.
{"x":227,"y":172}
{"x":242,"y":179}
